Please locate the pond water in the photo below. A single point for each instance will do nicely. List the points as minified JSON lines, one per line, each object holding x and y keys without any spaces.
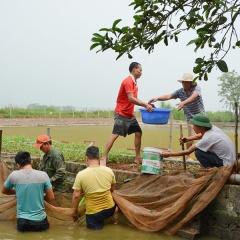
{"x":111,"y":231}
{"x":153,"y":136}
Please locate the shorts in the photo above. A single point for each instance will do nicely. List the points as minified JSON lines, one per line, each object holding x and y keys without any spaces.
{"x":24,"y":225}
{"x":191,"y":132}
{"x":123,"y":126}
{"x":96,"y":221}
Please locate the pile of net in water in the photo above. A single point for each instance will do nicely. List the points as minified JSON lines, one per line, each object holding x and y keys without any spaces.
{"x":167,"y":202}
{"x":150,"y":202}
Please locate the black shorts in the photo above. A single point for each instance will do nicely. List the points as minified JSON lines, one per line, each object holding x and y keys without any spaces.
{"x":24,"y":225}
{"x":123,"y":126}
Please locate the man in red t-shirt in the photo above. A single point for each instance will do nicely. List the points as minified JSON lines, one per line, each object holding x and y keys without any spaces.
{"x":124,"y":119}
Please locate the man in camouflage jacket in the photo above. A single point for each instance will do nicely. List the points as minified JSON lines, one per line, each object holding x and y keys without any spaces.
{"x":52,"y":162}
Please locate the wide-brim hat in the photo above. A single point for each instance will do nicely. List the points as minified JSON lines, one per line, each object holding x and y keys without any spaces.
{"x":201,"y":120}
{"x":41,"y":140}
{"x":187,"y":77}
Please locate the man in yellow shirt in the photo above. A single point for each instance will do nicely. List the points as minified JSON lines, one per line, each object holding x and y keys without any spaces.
{"x":96,"y":183}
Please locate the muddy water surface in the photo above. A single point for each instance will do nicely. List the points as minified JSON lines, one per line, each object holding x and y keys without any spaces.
{"x":111,"y":231}
{"x":153,"y":136}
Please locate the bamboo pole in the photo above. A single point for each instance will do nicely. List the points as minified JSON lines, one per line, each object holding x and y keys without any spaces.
{"x":48,"y":132}
{"x":170,"y":132}
{"x":0,"y":145}
{"x":181,"y":135}
{"x":236,"y":134}
{"x":236,"y":129}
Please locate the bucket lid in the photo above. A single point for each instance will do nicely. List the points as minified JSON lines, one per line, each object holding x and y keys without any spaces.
{"x":152,"y":149}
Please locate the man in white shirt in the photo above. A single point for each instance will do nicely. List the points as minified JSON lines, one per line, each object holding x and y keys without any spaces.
{"x":215,"y":148}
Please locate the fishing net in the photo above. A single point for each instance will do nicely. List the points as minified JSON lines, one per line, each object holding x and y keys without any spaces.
{"x":167,"y":202}
{"x":7,"y":203}
{"x":150,"y":202}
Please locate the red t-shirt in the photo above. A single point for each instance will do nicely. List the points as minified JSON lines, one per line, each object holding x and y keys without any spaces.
{"x":124,"y":107}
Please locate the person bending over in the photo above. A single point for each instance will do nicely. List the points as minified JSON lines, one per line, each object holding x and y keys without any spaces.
{"x":96,"y":184}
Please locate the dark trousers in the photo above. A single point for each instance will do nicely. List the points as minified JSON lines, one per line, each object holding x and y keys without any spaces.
{"x":24,"y":225}
{"x":96,"y":221}
{"x":208,"y":159}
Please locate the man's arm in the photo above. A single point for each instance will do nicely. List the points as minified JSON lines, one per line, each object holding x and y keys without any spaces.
{"x":188,"y":100}
{"x":181,"y":153}
{"x":112,"y":187}
{"x":49,"y":195}
{"x":190,"y":138}
{"x":138,"y":102}
{"x":8,"y":191}
{"x":161,"y":98}
{"x":77,"y":195}
{"x":60,"y":167}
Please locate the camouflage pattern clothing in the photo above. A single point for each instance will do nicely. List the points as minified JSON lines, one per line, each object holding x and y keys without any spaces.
{"x":54,"y":165}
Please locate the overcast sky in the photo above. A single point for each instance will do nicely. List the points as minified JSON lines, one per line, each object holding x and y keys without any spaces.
{"x":45,"y":57}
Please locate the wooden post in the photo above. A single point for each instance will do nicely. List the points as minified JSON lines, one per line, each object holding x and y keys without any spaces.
{"x":48,"y":132}
{"x":10,"y":110}
{"x":236,"y":130}
{"x":181,"y":135}
{"x":73,"y":111}
{"x":236,"y":135}
{"x":170,"y":133}
{"x":0,"y":145}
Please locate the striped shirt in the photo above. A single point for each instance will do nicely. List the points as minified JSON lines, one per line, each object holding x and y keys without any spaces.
{"x":195,"y":106}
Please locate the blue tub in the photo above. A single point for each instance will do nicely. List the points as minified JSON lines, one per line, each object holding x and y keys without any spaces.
{"x":157,"y":116}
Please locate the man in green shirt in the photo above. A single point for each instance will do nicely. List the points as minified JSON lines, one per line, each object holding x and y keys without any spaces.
{"x":52,"y":162}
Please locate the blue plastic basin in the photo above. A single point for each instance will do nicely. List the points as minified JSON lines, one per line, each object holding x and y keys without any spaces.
{"x":157,"y":116}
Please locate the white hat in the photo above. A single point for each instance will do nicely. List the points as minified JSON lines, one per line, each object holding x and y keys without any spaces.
{"x":187,"y":77}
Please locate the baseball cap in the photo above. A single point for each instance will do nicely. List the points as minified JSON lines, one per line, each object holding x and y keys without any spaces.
{"x":41,"y":140}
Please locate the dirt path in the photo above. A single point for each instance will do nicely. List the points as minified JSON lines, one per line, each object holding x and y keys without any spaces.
{"x":8,"y":122}
{"x":53,"y":121}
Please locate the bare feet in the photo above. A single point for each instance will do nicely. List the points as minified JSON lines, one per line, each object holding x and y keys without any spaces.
{"x":138,"y":160}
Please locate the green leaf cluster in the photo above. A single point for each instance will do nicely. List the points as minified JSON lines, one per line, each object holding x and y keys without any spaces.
{"x":159,"y":21}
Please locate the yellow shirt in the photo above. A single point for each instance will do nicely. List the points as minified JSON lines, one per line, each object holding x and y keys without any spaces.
{"x":95,"y":182}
